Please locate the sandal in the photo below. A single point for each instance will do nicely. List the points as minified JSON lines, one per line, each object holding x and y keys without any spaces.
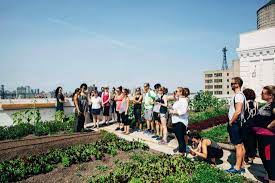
{"x":162,"y":142}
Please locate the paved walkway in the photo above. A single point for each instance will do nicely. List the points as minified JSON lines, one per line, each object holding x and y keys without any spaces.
{"x":252,"y":172}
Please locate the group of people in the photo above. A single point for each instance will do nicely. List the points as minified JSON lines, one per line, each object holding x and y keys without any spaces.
{"x":249,"y":128}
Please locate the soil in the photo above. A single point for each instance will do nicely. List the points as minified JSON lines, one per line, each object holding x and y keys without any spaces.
{"x":38,"y":145}
{"x":80,"y":172}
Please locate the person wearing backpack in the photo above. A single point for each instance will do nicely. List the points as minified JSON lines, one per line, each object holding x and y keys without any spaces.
{"x":236,"y":116}
{"x":249,"y":138}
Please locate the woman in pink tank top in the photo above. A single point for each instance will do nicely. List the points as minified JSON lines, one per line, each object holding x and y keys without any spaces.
{"x":105,"y":96}
{"x":118,"y":100}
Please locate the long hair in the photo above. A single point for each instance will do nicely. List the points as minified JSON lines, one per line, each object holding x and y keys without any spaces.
{"x":56,"y":91}
{"x":76,"y":91}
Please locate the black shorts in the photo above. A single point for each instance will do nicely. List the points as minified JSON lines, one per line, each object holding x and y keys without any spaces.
{"x":106,"y":110}
{"x":214,"y":153}
{"x":235,"y":133}
{"x":96,"y":111}
{"x":125,"y":119}
{"x":156,"y":116}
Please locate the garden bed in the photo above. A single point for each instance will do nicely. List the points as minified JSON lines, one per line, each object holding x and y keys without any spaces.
{"x":209,"y":123}
{"x":37,"y":145}
{"x":110,"y":159}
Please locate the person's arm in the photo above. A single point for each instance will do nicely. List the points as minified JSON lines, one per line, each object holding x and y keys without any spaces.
{"x":140,"y":99}
{"x":202,"y":154}
{"x":127,"y":105}
{"x":181,"y":109}
{"x":76,"y":104}
{"x":271,"y":126}
{"x":238,"y":111}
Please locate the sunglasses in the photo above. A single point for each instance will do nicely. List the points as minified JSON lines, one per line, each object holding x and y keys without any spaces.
{"x":233,"y":84}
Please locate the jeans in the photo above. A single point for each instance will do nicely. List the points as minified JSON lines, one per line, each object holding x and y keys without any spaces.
{"x":180,"y":132}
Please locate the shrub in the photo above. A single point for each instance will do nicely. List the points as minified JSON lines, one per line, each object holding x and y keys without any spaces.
{"x":204,"y":100}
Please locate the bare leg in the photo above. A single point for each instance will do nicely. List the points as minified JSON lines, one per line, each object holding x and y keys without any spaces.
{"x":148,"y":124}
{"x":239,"y":156}
{"x":164,"y":129}
{"x":157,"y":128}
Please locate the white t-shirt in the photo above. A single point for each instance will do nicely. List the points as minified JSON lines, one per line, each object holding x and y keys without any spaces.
{"x":239,"y":98}
{"x":181,"y":106}
{"x":96,"y":102}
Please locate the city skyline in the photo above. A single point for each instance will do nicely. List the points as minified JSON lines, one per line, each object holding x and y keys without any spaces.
{"x":110,"y":43}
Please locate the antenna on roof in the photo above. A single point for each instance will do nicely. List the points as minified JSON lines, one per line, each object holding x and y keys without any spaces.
{"x":224,"y":63}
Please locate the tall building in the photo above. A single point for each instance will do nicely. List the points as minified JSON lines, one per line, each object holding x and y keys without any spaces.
{"x":217,"y":82}
{"x":2,"y":92}
{"x":257,"y":54}
{"x":266,"y":15}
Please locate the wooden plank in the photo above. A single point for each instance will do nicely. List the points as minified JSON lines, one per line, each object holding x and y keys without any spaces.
{"x":26,"y":106}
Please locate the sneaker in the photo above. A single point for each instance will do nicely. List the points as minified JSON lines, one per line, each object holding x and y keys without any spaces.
{"x":176,"y":150}
{"x":146,"y":132}
{"x":117,"y":129}
{"x":158,"y":138}
{"x":233,"y":171}
{"x":242,"y":170}
{"x":155,"y":136}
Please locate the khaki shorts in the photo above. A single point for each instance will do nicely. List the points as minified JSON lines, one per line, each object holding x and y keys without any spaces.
{"x":148,"y":114}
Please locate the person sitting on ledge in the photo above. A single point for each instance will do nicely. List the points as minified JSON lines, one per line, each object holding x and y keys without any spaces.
{"x":205,"y":148}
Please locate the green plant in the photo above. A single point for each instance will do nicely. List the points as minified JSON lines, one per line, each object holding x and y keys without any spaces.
{"x":195,"y":117}
{"x":149,"y":167}
{"x":205,"y":100}
{"x":26,"y":116}
{"x":218,"y":134}
{"x":102,"y":168}
{"x":20,"y":168}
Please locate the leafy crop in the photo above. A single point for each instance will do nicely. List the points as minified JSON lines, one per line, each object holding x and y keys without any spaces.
{"x":148,"y":167}
{"x":218,"y":134}
{"x":21,"y":168}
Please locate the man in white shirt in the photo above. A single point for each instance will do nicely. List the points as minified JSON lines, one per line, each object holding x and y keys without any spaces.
{"x":236,"y":117}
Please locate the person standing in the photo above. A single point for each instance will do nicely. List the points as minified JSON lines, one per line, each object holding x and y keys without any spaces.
{"x":113,"y":104}
{"x":249,"y":138}
{"x":124,"y":109}
{"x":60,"y":99}
{"x":236,"y":118}
{"x":179,"y":114}
{"x":264,"y":127}
{"x":149,"y":98}
{"x":137,"y":100}
{"x":96,"y":106}
{"x":118,"y":100}
{"x":105,"y":97}
{"x":81,"y":107}
{"x":156,"y":114}
{"x":163,"y":102}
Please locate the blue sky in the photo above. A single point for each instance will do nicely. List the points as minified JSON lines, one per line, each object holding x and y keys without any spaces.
{"x":46,"y":43}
